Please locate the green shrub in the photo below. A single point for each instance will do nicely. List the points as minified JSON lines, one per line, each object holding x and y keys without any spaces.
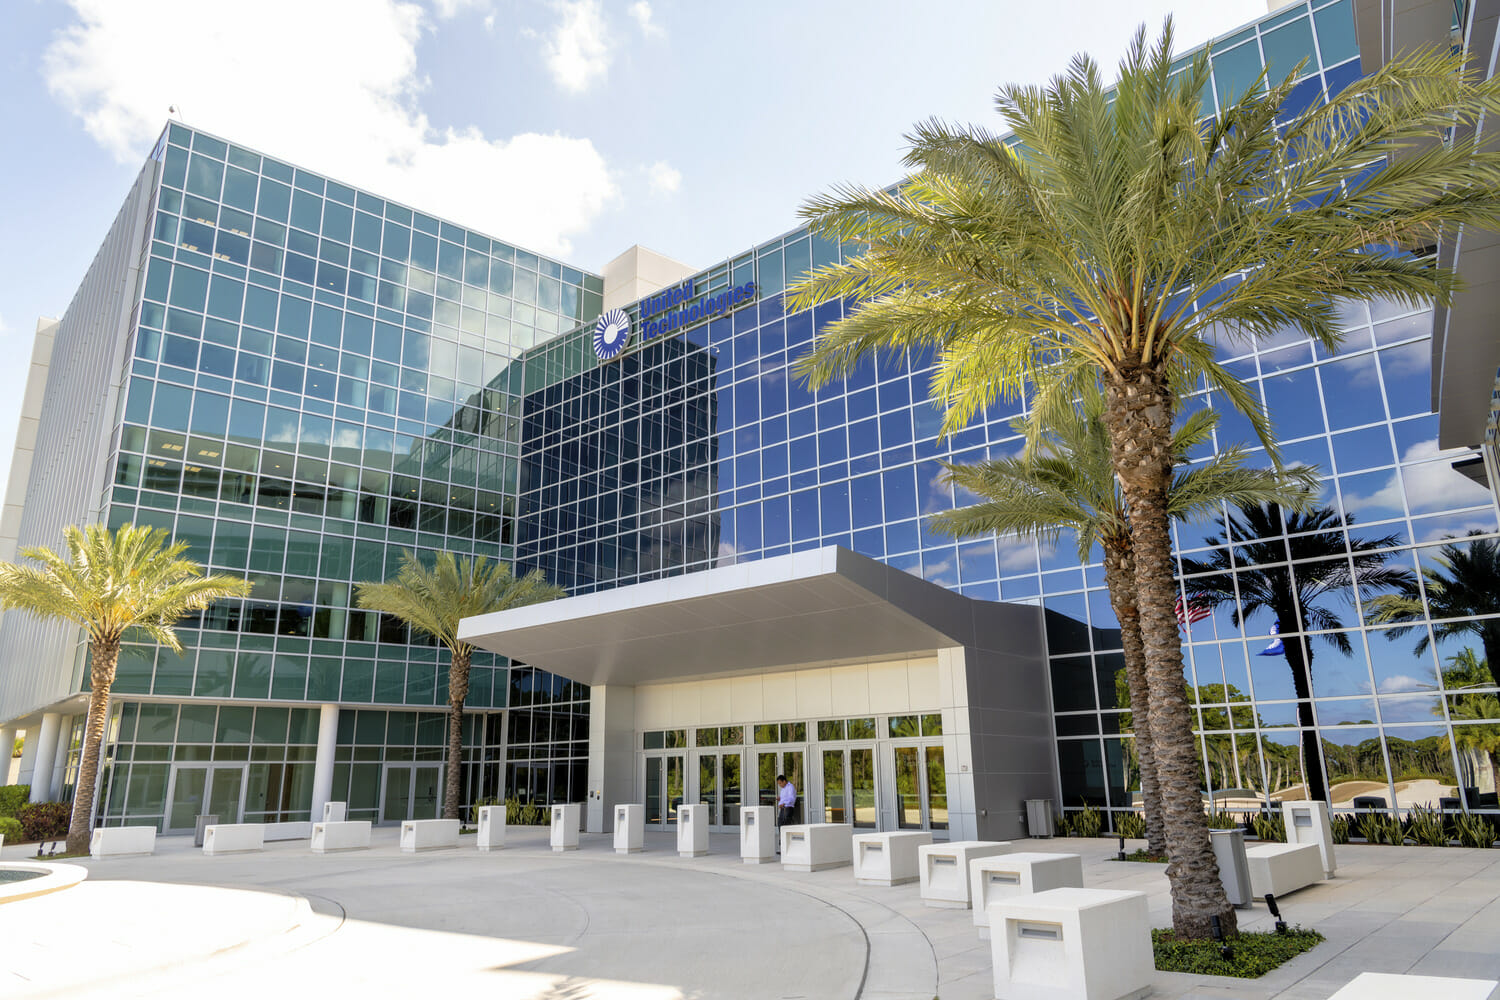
{"x":45,"y":820}
{"x":10,"y":829}
{"x":1219,"y":820}
{"x":1475,"y":831}
{"x":1255,"y":954}
{"x":529,"y":814}
{"x":1146,"y":856}
{"x":1087,"y":822}
{"x":1427,"y":826}
{"x":1269,"y":827}
{"x":1376,"y":828}
{"x":12,"y":798}
{"x":1062,"y":826}
{"x":1131,"y":826}
{"x":1339,"y":826}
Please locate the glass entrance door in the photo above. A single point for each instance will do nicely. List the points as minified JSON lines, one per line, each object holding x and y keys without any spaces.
{"x":770,"y":763}
{"x":849,"y":787}
{"x":719,"y":787}
{"x":921,"y":788}
{"x":215,"y":789}
{"x":665,"y":786}
{"x":412,"y":791}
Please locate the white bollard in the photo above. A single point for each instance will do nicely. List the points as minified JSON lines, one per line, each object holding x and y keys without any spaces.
{"x":812,"y":847}
{"x":1002,"y":876}
{"x":1387,"y":986}
{"x":757,"y":835}
{"x":335,"y":812}
{"x":428,"y":834}
{"x":630,"y":828}
{"x":692,"y":831}
{"x":888,"y":858}
{"x":1307,"y":823}
{"x":944,"y":869}
{"x":565,"y":826}
{"x":1072,"y":944}
{"x":491,"y":828}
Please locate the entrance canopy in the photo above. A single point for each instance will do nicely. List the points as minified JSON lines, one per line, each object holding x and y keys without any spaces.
{"x":806,"y":608}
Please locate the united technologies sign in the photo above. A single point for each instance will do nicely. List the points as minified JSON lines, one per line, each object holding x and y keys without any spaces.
{"x":666,"y":312}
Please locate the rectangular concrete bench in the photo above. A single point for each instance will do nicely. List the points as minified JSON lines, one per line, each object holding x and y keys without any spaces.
{"x":288,"y":831}
{"x":428,"y":834}
{"x":1001,"y":876}
{"x":944,"y":869}
{"x":1388,"y":986}
{"x":119,"y":841}
{"x":350,"y":835}
{"x":1283,"y":868}
{"x":233,"y":838}
{"x":888,"y":858}
{"x":1072,"y":944}
{"x":812,"y":847}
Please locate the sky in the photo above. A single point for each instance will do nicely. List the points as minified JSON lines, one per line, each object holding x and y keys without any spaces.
{"x":575,"y":128}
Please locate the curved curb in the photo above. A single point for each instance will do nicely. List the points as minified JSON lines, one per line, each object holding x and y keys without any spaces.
{"x":55,"y":878}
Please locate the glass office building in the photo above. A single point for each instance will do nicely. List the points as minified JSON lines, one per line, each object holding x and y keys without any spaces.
{"x":318,"y":379}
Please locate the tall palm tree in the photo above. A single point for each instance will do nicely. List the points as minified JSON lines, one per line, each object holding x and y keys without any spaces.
{"x":1478,"y":744}
{"x":114,"y":586}
{"x":1065,"y":480}
{"x":1121,"y":234}
{"x":1288,"y":564}
{"x":433,"y":600}
{"x":1464,"y":583}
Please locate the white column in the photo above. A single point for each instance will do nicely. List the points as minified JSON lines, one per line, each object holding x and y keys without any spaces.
{"x":611,"y":754}
{"x":7,"y":747}
{"x":28,"y":756}
{"x":328,"y":739}
{"x":46,"y":757}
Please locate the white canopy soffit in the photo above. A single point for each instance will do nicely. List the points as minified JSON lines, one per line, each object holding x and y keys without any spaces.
{"x":805,"y":608}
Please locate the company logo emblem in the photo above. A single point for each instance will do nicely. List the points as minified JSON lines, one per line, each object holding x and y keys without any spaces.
{"x":611,"y":334}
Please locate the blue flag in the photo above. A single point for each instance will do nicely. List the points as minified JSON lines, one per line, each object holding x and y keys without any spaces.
{"x":1275,"y":648}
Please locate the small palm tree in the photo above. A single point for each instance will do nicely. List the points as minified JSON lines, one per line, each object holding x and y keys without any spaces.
{"x":1119,"y":234}
{"x":114,"y":586}
{"x":1288,"y":563}
{"x":1065,"y":480}
{"x":433,"y":601}
{"x":1463,"y":585}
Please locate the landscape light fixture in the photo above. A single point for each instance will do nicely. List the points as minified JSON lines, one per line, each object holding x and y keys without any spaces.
{"x":1275,"y":912}
{"x":1122,"y":847}
{"x":1225,"y":952}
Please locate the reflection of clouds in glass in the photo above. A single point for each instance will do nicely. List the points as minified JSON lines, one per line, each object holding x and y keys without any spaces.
{"x":1015,"y":553}
{"x":1404,"y":684}
{"x":1429,"y":485}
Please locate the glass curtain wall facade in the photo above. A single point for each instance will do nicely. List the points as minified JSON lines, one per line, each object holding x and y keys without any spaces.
{"x":623,"y":486}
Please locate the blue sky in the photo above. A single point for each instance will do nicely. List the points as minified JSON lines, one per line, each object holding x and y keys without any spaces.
{"x":573,"y":127}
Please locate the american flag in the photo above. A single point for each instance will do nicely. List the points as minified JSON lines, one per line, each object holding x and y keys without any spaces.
{"x":1190,"y":611}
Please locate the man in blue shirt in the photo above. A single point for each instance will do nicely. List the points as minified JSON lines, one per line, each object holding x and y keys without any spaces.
{"x":786,"y":805}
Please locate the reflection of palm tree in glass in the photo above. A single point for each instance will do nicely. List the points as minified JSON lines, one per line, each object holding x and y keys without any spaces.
{"x":1265,"y":539}
{"x":1478,"y":744}
{"x":1464,"y":582}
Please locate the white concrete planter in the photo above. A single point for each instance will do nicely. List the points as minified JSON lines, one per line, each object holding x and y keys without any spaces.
{"x":335,"y":812}
{"x":1387,"y":986}
{"x":565,"y":826}
{"x":812,"y":847}
{"x":692,"y":831}
{"x":944,"y":869}
{"x":1307,"y":823}
{"x":1072,"y":944}
{"x":121,"y":841}
{"x":428,"y":834}
{"x":491,"y":828}
{"x":345,"y":836}
{"x":888,"y":858}
{"x":630,"y":828}
{"x":233,"y":838}
{"x":757,"y":835}
{"x":54,"y":878}
{"x":288,"y":831}
{"x":1003,"y":876}
{"x":1283,"y":868}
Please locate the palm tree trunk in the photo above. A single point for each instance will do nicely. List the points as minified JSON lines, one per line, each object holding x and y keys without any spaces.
{"x":104,"y":655}
{"x":1138,"y":414}
{"x":458,"y":692}
{"x":1119,"y":577}
{"x":1299,"y":658}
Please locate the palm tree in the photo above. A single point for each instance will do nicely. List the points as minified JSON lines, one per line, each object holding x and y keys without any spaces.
{"x":433,"y":601}
{"x":1288,"y":564}
{"x":114,"y":586}
{"x":1479,"y":744}
{"x":1118,"y":235}
{"x":1065,"y":480}
{"x":1464,"y":584}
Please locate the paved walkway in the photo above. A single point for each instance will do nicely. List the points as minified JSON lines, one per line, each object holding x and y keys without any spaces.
{"x":527,"y":923}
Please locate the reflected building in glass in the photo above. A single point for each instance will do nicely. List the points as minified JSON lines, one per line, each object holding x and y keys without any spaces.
{"x":311,"y":379}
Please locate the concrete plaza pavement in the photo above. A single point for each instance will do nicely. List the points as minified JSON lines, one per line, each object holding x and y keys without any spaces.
{"x":529,"y":923}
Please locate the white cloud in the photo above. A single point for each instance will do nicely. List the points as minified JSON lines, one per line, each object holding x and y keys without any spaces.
{"x":641,"y":12}
{"x":1403,"y":684}
{"x":448,"y":9}
{"x":351,"y":110}
{"x":665,"y":178}
{"x":1433,"y":484}
{"x":576,"y":50}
